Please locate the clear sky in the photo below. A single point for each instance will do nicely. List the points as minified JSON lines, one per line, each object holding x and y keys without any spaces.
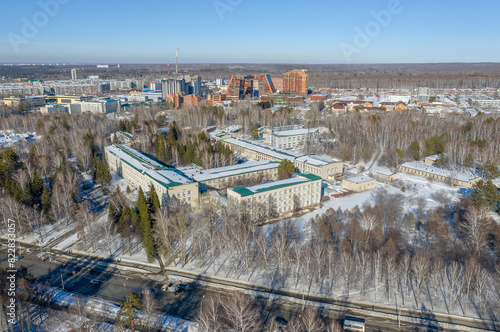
{"x":249,"y":31}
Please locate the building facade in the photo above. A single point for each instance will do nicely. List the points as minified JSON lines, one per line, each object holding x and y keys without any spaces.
{"x":257,"y":151}
{"x":224,"y":177}
{"x":325,"y":168}
{"x":278,"y":198}
{"x":359,"y":183}
{"x":142,"y":172}
{"x":296,"y":82}
{"x":292,"y":139}
{"x":249,"y":85}
{"x":440,"y":174}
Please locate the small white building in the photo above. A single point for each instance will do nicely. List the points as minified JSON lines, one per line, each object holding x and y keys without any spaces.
{"x":359,"y":183}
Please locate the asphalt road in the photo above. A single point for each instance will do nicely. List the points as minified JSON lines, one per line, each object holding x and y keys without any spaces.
{"x":117,"y":282}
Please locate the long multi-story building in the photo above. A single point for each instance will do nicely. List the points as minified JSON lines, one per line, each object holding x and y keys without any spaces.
{"x":292,"y":139}
{"x":280,"y":197}
{"x":436,"y":173}
{"x":253,"y":85}
{"x":142,"y":171}
{"x":257,"y":151}
{"x":296,"y":82}
{"x":324,"y":167}
{"x":224,"y":177}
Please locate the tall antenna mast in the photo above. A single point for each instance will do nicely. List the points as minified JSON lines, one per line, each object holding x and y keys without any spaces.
{"x":168,"y":67}
{"x":176,"y":55}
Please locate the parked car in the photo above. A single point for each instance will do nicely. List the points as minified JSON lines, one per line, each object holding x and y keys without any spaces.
{"x":95,"y":282}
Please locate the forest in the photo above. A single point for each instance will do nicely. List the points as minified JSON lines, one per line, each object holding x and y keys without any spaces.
{"x":445,"y":258}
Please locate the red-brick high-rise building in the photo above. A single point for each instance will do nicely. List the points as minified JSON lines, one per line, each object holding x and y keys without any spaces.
{"x":296,"y":82}
{"x":241,"y":85}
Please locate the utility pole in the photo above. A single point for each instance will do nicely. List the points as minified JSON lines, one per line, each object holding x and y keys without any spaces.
{"x":62,"y":281}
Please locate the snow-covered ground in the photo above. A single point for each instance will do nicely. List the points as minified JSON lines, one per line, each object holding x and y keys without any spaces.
{"x":69,"y":321}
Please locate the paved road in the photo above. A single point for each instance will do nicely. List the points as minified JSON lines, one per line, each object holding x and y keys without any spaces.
{"x":117,"y":282}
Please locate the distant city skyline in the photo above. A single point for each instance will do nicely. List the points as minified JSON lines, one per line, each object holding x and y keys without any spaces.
{"x":243,"y":31}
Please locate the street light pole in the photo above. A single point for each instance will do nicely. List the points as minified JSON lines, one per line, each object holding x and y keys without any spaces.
{"x":62,"y":280}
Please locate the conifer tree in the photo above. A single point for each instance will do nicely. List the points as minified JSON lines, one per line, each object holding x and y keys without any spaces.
{"x":155,"y":201}
{"x":45,"y":200}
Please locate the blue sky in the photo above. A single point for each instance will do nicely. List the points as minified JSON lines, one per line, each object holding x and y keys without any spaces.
{"x":249,"y":31}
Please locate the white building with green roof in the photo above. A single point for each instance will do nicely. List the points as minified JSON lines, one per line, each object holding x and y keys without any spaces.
{"x":142,"y":171}
{"x":280,"y":197}
{"x":223,"y":177}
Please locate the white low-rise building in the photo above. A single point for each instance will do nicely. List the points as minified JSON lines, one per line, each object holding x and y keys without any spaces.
{"x":440,"y":174}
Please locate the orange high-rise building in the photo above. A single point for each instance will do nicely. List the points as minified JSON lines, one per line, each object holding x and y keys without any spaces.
{"x":241,"y":85}
{"x":296,"y":82}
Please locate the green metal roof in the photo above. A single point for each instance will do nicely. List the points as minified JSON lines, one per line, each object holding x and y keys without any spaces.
{"x":243,"y":191}
{"x":309,"y":176}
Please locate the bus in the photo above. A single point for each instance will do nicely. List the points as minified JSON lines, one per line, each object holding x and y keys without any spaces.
{"x":354,"y":324}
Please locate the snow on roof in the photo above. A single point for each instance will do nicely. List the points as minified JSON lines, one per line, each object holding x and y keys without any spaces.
{"x":168,"y":177}
{"x":274,"y":185}
{"x":296,"y":132}
{"x":360,"y":179}
{"x":316,"y":160}
{"x":221,"y":172}
{"x":277,"y":153}
{"x":439,"y":171}
{"x":434,"y":157}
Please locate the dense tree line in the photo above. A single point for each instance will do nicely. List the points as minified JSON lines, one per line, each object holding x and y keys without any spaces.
{"x":359,"y":137}
{"x":180,"y":149}
{"x":427,"y":257}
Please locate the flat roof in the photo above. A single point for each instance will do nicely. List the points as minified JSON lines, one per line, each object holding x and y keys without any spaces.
{"x":221,"y":172}
{"x":360,"y":179}
{"x":261,"y":188}
{"x":264,"y":149}
{"x":295,"y":132}
{"x":439,"y":171}
{"x":316,"y":161}
{"x":166,"y":176}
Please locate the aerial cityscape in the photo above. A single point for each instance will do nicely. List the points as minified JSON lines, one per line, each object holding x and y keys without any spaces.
{"x":233,"y":165}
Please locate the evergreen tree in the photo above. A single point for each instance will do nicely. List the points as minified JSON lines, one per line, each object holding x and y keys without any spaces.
{"x":155,"y":201}
{"x":127,"y":315}
{"x":254,"y":132}
{"x":490,"y":169}
{"x":491,"y":194}
{"x":146,"y":226}
{"x":45,"y":200}
{"x":415,"y":150}
{"x":469,"y":161}
{"x":285,"y":169}
{"x":478,"y":198}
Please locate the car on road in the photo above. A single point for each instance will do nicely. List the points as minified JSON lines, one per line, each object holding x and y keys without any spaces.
{"x":20,"y":257}
{"x":71,"y":272}
{"x":169,"y":288}
{"x":95,"y":282}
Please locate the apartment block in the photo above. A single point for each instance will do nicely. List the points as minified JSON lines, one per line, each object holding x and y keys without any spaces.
{"x":296,"y":82}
